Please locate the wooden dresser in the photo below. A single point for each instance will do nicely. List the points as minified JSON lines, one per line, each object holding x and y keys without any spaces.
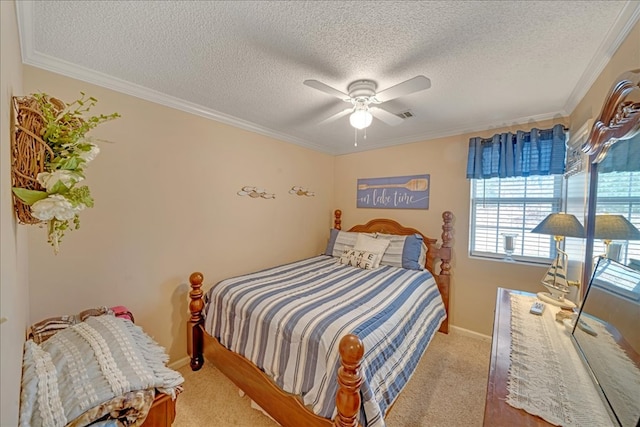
{"x":497,"y":412}
{"x":162,"y":412}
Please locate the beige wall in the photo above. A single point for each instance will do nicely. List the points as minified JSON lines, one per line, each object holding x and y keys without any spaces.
{"x":166,"y":205}
{"x":621,"y":313}
{"x":14,"y":300}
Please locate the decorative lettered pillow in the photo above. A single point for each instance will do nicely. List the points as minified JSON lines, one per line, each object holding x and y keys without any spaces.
{"x":360,"y":259}
{"x":371,"y":244}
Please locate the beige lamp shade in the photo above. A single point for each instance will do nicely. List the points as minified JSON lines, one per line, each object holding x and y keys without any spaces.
{"x":615,"y":227}
{"x":560,"y":224}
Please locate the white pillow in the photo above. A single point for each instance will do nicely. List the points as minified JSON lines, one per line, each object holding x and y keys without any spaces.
{"x":340,"y":240}
{"x":373,"y":245}
{"x":422,"y":261}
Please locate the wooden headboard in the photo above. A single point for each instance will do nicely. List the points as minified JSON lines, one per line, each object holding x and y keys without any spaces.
{"x":435,"y":251}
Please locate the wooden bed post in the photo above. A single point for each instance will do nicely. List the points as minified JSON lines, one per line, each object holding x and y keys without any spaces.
{"x":445,"y":248}
{"x":349,"y":381}
{"x":444,"y":253}
{"x":337,"y":219}
{"x":194,"y":330}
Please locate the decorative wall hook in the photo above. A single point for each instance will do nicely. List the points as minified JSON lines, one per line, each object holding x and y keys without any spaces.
{"x":255,"y":192}
{"x":300,"y":191}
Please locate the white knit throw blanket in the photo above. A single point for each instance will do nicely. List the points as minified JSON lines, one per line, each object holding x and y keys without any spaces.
{"x":547,"y":377}
{"x":87,"y":364}
{"x":622,"y":382}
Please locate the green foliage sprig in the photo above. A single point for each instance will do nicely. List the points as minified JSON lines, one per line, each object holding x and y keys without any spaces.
{"x":64,"y":131}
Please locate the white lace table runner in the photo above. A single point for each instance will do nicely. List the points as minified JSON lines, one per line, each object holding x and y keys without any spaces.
{"x":622,"y":383}
{"x":547,"y":378}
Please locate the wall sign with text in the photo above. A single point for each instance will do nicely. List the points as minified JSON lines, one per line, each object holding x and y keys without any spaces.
{"x":399,"y":192}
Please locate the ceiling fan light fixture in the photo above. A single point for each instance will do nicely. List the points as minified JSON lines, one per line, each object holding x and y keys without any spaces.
{"x":360,"y":119}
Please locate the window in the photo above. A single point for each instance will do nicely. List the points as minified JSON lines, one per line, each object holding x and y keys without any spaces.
{"x":619,"y":193}
{"x":513,"y":206}
{"x":616,"y":278}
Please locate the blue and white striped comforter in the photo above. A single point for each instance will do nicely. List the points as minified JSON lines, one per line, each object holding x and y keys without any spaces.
{"x":288,"y":320}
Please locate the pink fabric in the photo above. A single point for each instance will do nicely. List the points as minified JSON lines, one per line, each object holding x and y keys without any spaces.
{"x":122,"y":311}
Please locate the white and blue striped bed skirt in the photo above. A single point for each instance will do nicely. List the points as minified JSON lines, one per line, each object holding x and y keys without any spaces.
{"x":288,"y":320}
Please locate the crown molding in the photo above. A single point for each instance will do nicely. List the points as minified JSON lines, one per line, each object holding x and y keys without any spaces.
{"x":625,"y":22}
{"x":457,"y":131}
{"x":103,"y":80}
{"x":55,"y":65}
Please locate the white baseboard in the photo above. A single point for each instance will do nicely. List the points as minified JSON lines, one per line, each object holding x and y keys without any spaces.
{"x":179,"y":363}
{"x":468,"y":333}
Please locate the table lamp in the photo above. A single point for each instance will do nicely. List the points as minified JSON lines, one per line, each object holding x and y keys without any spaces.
{"x":558,"y":225}
{"x":614,"y":227}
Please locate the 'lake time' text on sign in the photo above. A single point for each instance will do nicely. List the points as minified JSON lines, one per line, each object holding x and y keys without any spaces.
{"x":400,"y":192}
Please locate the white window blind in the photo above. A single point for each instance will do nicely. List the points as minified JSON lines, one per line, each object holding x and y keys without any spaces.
{"x":513,"y":206}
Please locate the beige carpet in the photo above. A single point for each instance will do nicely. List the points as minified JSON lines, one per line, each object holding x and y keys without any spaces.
{"x":447,"y":389}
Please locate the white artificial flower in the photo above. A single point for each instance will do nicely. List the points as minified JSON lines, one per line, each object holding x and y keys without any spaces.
{"x":55,"y":206}
{"x":49,"y":179}
{"x":80,"y":207}
{"x":87,"y":156}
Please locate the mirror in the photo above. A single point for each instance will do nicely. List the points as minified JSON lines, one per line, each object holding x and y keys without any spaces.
{"x":607,"y":335}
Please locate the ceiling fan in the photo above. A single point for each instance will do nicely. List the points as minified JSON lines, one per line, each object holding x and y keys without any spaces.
{"x":363,"y":98}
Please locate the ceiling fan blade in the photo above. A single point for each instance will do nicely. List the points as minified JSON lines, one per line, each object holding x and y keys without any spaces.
{"x":326,"y":89}
{"x":336,"y":116}
{"x":407,"y":87}
{"x":387,"y":117}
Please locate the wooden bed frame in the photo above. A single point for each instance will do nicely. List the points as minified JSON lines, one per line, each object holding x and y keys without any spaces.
{"x":288,"y":409}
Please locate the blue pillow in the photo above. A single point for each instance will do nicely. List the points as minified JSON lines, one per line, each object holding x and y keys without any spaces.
{"x":333,"y":235}
{"x":403,"y":251}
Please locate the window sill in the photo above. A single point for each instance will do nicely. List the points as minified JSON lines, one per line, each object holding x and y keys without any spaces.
{"x":516,"y":260}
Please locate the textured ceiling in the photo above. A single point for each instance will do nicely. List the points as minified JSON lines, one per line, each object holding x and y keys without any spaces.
{"x":491,"y":63}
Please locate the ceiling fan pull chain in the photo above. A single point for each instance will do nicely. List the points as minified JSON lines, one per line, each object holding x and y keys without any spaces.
{"x":355,"y":143}
{"x":365,"y":134}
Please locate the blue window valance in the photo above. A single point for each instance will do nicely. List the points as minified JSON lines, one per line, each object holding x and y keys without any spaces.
{"x":538,"y":152}
{"x":623,"y":156}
